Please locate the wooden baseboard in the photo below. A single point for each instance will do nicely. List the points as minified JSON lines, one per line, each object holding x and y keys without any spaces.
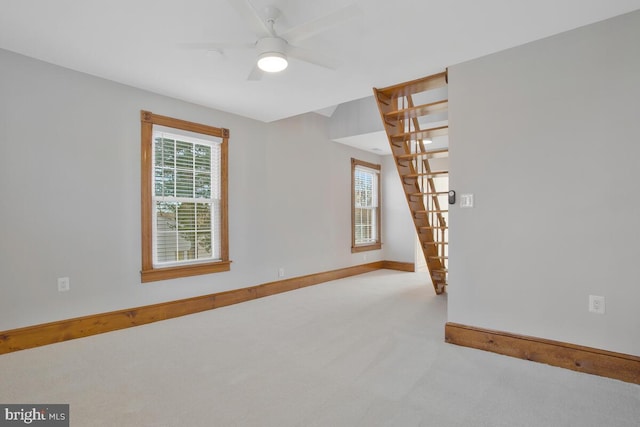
{"x":589,"y":360}
{"x":400,"y":266}
{"x":64,"y":330}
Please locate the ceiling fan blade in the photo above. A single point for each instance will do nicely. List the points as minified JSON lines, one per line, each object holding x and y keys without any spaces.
{"x":312,"y":57}
{"x":250,"y":15}
{"x":216,"y":46}
{"x":255,"y":74}
{"x":311,"y":28}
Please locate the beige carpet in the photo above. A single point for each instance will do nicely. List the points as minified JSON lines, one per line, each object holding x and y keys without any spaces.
{"x":363,"y":351}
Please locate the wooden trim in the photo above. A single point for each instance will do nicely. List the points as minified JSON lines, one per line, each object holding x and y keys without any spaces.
{"x":378,"y":243}
{"x":365,"y":248}
{"x":146,"y":198}
{"x":149,"y":273}
{"x":224,"y":191}
{"x":285,"y":285}
{"x":399,"y":266}
{"x":155,"y":274}
{"x":589,"y":360}
{"x":64,"y":330}
{"x":157,"y":119}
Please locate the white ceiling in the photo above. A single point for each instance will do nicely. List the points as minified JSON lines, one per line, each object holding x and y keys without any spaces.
{"x":138,"y":43}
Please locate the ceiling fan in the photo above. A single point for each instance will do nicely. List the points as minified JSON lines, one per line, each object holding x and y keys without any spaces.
{"x":273,"y":49}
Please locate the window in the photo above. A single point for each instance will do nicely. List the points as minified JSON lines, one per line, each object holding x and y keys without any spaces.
{"x":184,"y":198}
{"x":365,"y":206}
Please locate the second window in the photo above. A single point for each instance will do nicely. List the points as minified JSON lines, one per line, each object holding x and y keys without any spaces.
{"x":365,"y":207}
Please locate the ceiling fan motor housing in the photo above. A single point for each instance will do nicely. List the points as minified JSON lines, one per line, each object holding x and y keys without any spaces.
{"x":272,"y":56}
{"x":271,"y":44}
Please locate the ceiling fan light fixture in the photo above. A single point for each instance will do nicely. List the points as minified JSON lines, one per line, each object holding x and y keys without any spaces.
{"x":272,"y":62}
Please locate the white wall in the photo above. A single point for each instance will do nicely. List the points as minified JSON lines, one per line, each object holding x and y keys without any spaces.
{"x":546,"y":136}
{"x":70,"y":196}
{"x":355,"y":118}
{"x":398,"y":230}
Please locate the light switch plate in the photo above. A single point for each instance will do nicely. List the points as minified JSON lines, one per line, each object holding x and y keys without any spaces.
{"x":466,"y":200}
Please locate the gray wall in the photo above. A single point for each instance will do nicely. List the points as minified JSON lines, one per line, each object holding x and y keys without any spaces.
{"x":70,"y":196}
{"x":546,"y":136}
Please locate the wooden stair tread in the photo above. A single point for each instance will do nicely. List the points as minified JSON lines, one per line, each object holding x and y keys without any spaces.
{"x":427,"y":154}
{"x":416,"y":86}
{"x":417,"y":111}
{"x":418,"y":175}
{"x":431,"y":211}
{"x":420,"y":134}
{"x":437,"y":193}
{"x":442,"y":270}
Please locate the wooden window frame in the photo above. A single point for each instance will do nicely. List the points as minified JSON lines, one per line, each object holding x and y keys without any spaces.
{"x":149,"y":273}
{"x":378,"y":243}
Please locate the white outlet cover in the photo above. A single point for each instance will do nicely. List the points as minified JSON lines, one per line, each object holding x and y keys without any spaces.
{"x":63,"y":284}
{"x":596,"y":304}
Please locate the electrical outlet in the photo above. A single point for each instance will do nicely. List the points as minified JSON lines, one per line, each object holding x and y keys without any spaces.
{"x":596,"y":304}
{"x":63,"y":284}
{"x":281,"y":272}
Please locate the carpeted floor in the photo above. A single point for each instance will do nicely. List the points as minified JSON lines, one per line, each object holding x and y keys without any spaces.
{"x":363,"y":351}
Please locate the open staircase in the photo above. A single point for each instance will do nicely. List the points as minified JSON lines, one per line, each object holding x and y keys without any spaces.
{"x":413,"y":113}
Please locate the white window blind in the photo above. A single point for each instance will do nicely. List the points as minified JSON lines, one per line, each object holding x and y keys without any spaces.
{"x":186,"y":199}
{"x":366,"y":205}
